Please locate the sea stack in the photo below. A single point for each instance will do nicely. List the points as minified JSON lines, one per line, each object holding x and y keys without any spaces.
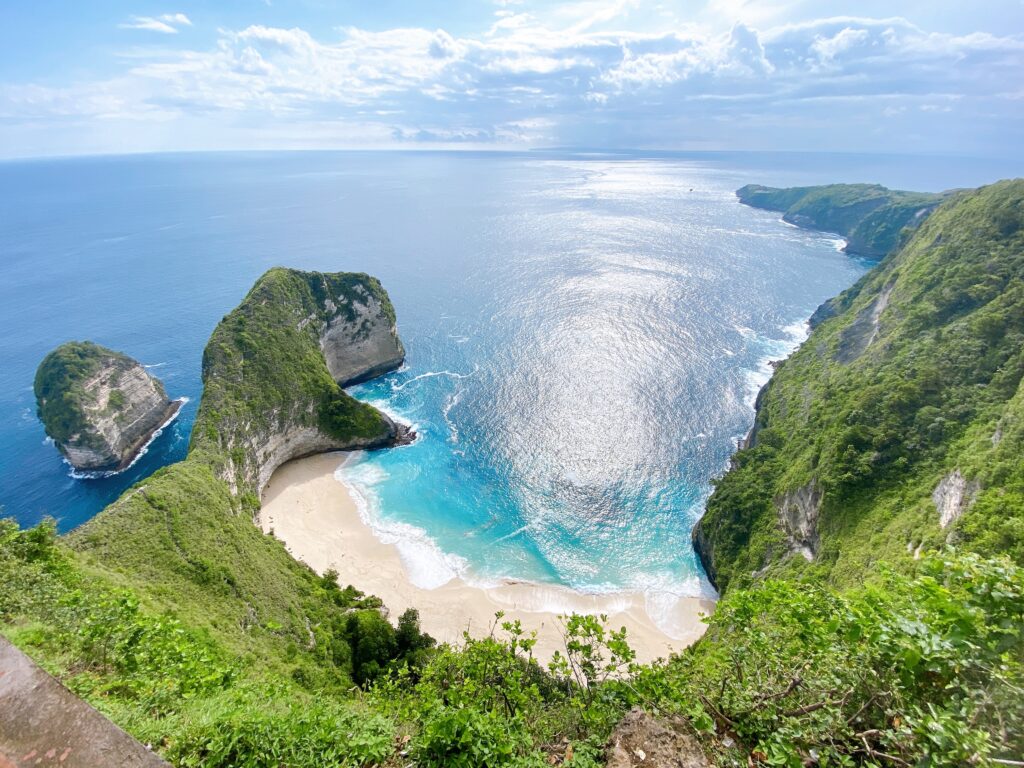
{"x":99,"y":406}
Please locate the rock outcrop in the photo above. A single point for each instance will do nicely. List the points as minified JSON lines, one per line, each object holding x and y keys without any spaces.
{"x":862,"y":332}
{"x":363,"y":343}
{"x":643,"y":740}
{"x":99,"y":406}
{"x":953,"y":496}
{"x":799,"y":510}
{"x":274,"y":369}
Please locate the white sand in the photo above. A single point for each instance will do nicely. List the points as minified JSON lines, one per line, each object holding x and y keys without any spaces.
{"x":318,"y":521}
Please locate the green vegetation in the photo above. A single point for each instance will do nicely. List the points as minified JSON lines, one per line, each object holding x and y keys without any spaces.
{"x":917,"y":374}
{"x":172,"y":681}
{"x":922,"y":666}
{"x":185,"y":537}
{"x":176,"y":616}
{"x":870,"y":217}
{"x":60,"y":392}
{"x":920,"y":669}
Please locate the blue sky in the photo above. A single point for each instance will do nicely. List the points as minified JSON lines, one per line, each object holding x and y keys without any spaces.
{"x":894,"y":76}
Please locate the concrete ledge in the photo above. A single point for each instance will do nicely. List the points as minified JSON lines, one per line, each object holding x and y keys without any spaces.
{"x":44,"y":725}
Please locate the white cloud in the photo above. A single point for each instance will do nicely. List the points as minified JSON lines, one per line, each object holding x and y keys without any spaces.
{"x":176,"y":18}
{"x":167,"y":23}
{"x":570,"y":76}
{"x":828,"y":48}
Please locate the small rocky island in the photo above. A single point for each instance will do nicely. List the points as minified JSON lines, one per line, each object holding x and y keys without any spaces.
{"x":99,"y":406}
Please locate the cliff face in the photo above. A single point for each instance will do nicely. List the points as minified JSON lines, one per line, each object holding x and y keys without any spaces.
{"x":273,"y":371}
{"x":870,"y":217}
{"x":898,"y":425}
{"x":99,"y":406}
{"x":360,"y":344}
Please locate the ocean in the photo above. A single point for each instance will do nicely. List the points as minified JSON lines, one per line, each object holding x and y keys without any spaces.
{"x":586,"y":332}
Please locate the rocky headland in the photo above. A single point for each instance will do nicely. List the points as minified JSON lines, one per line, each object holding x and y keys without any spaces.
{"x":274,"y":371}
{"x":871,"y":218}
{"x":99,"y":406}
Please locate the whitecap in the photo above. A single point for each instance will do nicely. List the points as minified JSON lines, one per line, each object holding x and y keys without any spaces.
{"x":450,"y":402}
{"x":426,"y":564}
{"x":430,"y":375}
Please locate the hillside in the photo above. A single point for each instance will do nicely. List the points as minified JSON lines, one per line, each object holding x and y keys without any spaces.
{"x":870,"y":217}
{"x":896,"y":426}
{"x":176,"y":617}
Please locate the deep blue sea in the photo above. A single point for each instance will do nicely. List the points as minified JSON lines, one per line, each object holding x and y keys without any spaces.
{"x":586,"y":332}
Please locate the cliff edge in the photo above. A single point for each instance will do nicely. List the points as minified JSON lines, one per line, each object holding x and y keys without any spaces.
{"x":896,"y":427}
{"x":274,"y":369}
{"x":99,"y":406}
{"x":271,"y":393}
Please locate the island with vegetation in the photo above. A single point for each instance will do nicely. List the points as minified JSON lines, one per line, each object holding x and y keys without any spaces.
{"x":100,"y":407}
{"x":867,"y":544}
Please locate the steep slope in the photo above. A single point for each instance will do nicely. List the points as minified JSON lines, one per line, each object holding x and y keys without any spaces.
{"x":896,"y":426}
{"x":184,"y":537}
{"x":172,"y":614}
{"x":870,"y":217}
{"x":273,"y":368}
{"x":99,"y":406}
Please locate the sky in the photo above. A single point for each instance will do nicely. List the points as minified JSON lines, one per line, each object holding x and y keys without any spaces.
{"x":900,"y":76}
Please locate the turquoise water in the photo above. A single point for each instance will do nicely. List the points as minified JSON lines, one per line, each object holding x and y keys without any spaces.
{"x":585,"y":332}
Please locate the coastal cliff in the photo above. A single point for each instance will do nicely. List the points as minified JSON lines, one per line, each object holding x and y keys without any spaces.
{"x":186,"y":533}
{"x":174,"y":615}
{"x":894,"y":428}
{"x":273,"y":373}
{"x":872,"y":218}
{"x":99,"y":406}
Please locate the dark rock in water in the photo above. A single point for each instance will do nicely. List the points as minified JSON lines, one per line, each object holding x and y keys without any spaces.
{"x":703,"y":545}
{"x":826,"y":310}
{"x":404,"y":435}
{"x":99,"y":406}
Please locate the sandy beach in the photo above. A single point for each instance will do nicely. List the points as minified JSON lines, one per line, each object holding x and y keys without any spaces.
{"x":316,"y":517}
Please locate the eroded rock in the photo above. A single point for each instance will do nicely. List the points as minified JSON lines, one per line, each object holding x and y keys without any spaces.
{"x":953,"y":496}
{"x":798,"y":513}
{"x":863,"y":331}
{"x":99,"y":406}
{"x":643,"y":740}
{"x":362,"y":343}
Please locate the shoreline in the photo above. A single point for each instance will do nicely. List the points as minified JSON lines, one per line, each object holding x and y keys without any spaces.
{"x":171,"y":413}
{"x":318,"y":521}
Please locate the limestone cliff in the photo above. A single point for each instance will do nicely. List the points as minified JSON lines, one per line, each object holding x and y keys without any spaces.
{"x":184,"y":534}
{"x":99,"y":406}
{"x":274,"y":369}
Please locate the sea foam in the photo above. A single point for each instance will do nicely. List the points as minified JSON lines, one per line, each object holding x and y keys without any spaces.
{"x":426,"y":564}
{"x":86,"y":475}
